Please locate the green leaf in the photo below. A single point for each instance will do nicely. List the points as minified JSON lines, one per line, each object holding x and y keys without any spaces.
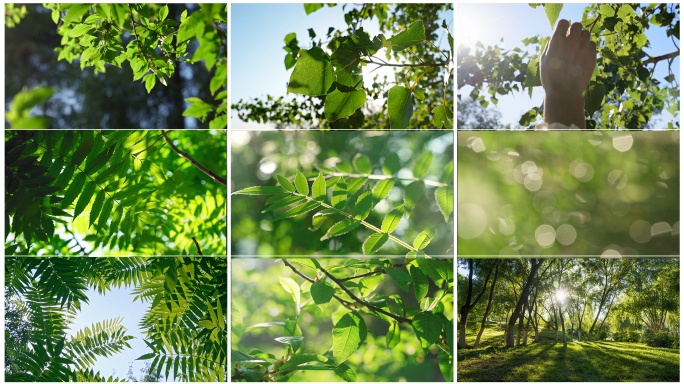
{"x":607,"y":52}
{"x":300,"y":209}
{"x":284,"y":203}
{"x":348,"y":335}
{"x":533,"y":78}
{"x":390,"y":222}
{"x":420,"y":169}
{"x":343,"y":104}
{"x":294,"y":341}
{"x":302,"y":184}
{"x":363,"y":206}
{"x":606,"y":10}
{"x":235,"y":319}
{"x":163,"y":12}
{"x":296,"y":360}
{"x":97,"y":205}
{"x":150,"y":80}
{"x":74,"y":190}
{"x":374,"y":242}
{"x":313,"y":73}
{"x":341,"y":228}
{"x":84,"y":199}
{"x":197,"y":109}
{"x":285,"y":183}
{"x":624,"y":11}
{"x":291,"y":286}
{"x":400,"y":277}
{"x":423,"y":239}
{"x":391,"y":164}
{"x":149,"y":218}
{"x":309,"y":8}
{"x":339,"y":195}
{"x":321,"y":293}
{"x":445,"y":201}
{"x":346,"y":61}
{"x":399,"y":107}
{"x":382,"y":189}
{"x":83,"y":150}
{"x":188,"y":27}
{"x":420,"y":282}
{"x":552,"y":11}
{"x":393,"y":336}
{"x":147,"y":356}
{"x":442,"y":116}
{"x":427,"y":326}
{"x":363,"y":165}
{"x":106,"y":210}
{"x":79,"y":30}
{"x":593,"y":97}
{"x":345,"y":373}
{"x":318,"y":188}
{"x":355,"y":184}
{"x":414,"y":34}
{"x":368,"y":284}
{"x":76,"y":12}
{"x":259,"y":191}
{"x":241,"y":357}
{"x":412,"y":194}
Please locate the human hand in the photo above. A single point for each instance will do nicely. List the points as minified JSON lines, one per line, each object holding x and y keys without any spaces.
{"x":568,"y":61}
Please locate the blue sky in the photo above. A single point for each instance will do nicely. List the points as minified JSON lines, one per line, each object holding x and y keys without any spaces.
{"x":489,"y":24}
{"x":115,"y":303}
{"x":257,"y":33}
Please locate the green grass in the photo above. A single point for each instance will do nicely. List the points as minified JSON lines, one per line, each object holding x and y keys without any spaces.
{"x":549,"y":360}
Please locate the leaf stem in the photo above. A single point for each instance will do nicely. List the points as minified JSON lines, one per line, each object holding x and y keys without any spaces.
{"x":199,"y":250}
{"x":440,"y":51}
{"x":365,"y":304}
{"x":421,"y":75}
{"x":194,"y":162}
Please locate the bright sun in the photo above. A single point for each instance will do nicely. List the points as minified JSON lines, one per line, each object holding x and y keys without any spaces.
{"x":561,"y":295}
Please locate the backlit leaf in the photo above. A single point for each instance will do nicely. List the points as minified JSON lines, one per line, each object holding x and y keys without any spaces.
{"x":302,"y":184}
{"x":382,"y":189}
{"x":374,"y":243}
{"x":341,"y":228}
{"x":348,"y":335}
{"x":313,"y":73}
{"x":427,"y":326}
{"x":444,"y":196}
{"x":321,"y":293}
{"x":399,"y":107}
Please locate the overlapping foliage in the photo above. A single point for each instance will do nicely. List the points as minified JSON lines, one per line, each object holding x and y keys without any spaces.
{"x":351,"y":191}
{"x":188,"y":303}
{"x":623,"y":94}
{"x":92,"y":33}
{"x":430,"y":321}
{"x":334,"y":85}
{"x":133,"y":204}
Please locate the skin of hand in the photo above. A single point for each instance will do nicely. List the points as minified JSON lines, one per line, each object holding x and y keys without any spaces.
{"x":566,"y":69}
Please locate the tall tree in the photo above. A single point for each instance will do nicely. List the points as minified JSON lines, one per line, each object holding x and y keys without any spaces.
{"x":534,"y":267}
{"x":468,"y":305}
{"x":489,"y":305}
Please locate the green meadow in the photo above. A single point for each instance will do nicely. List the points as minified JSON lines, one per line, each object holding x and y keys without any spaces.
{"x":548,"y":360}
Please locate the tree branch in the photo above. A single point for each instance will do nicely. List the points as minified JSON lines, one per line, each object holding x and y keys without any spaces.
{"x":199,"y":250}
{"x":661,"y":58}
{"x":403,"y":65}
{"x":194,"y":162}
{"x":378,"y":177}
{"x":367,"y":305}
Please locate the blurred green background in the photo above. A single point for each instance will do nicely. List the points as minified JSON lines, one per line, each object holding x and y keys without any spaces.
{"x":256,"y":290}
{"x":568,"y":193}
{"x":258,"y":156}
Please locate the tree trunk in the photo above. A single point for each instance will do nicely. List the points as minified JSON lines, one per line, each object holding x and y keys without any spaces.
{"x":560,"y":310}
{"x":468,"y":306}
{"x":489,"y":306}
{"x":521,"y":300}
{"x":556,"y":335}
{"x":579,"y":335}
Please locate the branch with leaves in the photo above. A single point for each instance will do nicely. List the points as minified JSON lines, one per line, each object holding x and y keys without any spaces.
{"x":301,"y":199}
{"x":430,"y":323}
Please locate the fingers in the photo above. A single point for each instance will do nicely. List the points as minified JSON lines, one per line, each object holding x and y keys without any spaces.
{"x":575,"y":32}
{"x":585,"y":37}
{"x":559,"y":33}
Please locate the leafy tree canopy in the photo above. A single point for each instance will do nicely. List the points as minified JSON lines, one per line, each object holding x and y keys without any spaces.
{"x":623,"y":94}
{"x":95,"y":34}
{"x":185,"y":325}
{"x":329,"y":73}
{"x":115,"y":192}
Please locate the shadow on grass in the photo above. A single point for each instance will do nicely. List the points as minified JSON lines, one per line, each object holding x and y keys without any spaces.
{"x":568,"y":361}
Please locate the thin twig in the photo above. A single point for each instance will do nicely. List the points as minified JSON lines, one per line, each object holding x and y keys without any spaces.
{"x":403,"y":65}
{"x":199,"y":250}
{"x":307,"y":278}
{"x":365,"y":304}
{"x":194,"y":162}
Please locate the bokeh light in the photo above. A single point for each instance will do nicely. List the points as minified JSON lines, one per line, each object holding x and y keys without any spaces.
{"x":472,"y":221}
